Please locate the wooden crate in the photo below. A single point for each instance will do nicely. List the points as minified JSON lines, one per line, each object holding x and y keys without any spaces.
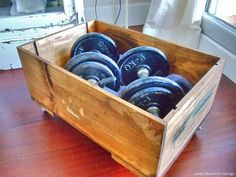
{"x":143,"y":143}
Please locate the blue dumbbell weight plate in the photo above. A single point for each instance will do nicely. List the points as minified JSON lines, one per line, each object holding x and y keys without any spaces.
{"x":95,"y":42}
{"x":153,"y":81}
{"x":95,"y":65}
{"x":158,"y":97}
{"x":149,"y":57}
{"x":183,"y":83}
{"x":96,"y":71}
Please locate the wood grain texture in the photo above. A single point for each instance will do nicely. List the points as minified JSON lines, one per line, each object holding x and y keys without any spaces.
{"x":34,"y":144}
{"x":183,"y":61}
{"x":56,"y":48}
{"x":136,"y":135}
{"x":213,"y":148}
{"x":183,"y":122}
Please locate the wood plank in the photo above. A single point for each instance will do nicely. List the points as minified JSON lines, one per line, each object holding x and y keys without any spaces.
{"x":184,"y":61}
{"x":35,"y":78}
{"x":136,"y":135}
{"x":29,"y":47}
{"x":56,"y":48}
{"x":92,"y":27}
{"x":187,"y":117}
{"x":128,"y":166}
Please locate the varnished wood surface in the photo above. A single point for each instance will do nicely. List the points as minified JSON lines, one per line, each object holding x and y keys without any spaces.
{"x":33,"y":143}
{"x":190,"y":116}
{"x":187,"y":62}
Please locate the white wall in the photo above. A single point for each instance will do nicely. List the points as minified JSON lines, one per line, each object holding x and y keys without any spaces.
{"x":138,"y":10}
{"x":209,"y":46}
{"x":110,"y":2}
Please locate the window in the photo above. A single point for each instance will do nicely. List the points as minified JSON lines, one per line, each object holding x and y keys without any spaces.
{"x":224,"y":9}
{"x":218,"y":23}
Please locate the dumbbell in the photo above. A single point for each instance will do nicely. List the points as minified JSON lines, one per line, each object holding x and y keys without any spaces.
{"x":95,"y":42}
{"x":155,"y":94}
{"x":141,"y":62}
{"x":96,"y":68}
{"x":183,"y":83}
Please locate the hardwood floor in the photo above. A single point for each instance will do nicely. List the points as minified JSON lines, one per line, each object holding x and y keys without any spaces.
{"x":34,"y":144}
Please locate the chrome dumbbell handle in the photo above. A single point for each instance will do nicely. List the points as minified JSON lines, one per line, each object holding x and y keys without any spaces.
{"x":103,"y":82}
{"x":154,"y":110}
{"x":143,"y":72}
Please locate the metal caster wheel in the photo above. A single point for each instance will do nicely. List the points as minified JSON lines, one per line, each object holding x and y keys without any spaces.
{"x":45,"y":110}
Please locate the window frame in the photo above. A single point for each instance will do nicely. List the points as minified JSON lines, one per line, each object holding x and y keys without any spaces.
{"x":219,"y":30}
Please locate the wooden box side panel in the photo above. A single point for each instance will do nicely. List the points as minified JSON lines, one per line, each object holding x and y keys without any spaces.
{"x":187,"y":117}
{"x":187,"y":62}
{"x":92,"y":26}
{"x":56,"y":48}
{"x":30,"y":47}
{"x":129,"y":133}
{"x":35,"y":77}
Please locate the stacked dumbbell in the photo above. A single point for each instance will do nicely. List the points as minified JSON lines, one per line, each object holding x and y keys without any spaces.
{"x":144,"y":72}
{"x":93,"y":58}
